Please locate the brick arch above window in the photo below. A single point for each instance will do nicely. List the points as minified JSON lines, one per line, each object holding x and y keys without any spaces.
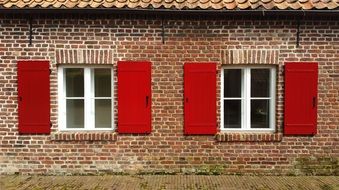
{"x":84,"y":56}
{"x":250,"y":56}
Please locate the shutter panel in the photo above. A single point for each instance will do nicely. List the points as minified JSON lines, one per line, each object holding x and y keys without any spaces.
{"x":301,"y":82}
{"x":33,"y":97}
{"x":134,"y":97}
{"x":200,"y":98}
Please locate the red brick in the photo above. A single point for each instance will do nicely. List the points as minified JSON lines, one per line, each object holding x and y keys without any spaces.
{"x":64,"y":41}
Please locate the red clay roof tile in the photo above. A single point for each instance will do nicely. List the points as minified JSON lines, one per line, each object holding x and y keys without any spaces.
{"x":175,"y":4}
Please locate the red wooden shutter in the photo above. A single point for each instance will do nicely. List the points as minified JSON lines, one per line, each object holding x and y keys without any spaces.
{"x":301,"y":82}
{"x":134,"y":97}
{"x":200,"y":98}
{"x":34,"y":97}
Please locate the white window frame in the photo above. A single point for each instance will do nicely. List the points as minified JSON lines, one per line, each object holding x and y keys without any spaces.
{"x":89,"y":98}
{"x":246,"y":97}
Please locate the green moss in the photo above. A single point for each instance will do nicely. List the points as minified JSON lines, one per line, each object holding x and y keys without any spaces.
{"x":291,"y":173}
{"x":210,"y":170}
{"x":316,"y":166}
{"x":326,"y":187}
{"x":144,"y":185}
{"x":157,"y":172}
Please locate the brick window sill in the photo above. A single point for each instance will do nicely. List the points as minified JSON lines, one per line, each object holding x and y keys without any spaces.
{"x":84,"y":136}
{"x":248,"y":137}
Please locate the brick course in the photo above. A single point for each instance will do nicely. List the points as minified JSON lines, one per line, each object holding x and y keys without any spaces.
{"x":105,"y":40}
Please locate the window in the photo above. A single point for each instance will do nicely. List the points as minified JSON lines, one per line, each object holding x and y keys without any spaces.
{"x":248,"y":98}
{"x":85,"y":98}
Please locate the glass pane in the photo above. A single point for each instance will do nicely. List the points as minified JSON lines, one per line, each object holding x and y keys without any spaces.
{"x":102,"y":78}
{"x":74,"y":82}
{"x":232,"y":113}
{"x":103,"y":114}
{"x":75,"y":113}
{"x":260,"y":113}
{"x":232,"y":83}
{"x":260,"y":83}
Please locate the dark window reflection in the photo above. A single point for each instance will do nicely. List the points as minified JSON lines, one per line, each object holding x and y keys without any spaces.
{"x":103,"y":113}
{"x":75,"y":113}
{"x":74,"y":82}
{"x":260,"y":113}
{"x":102,"y":78}
{"x":260,"y":82}
{"x":232,"y":113}
{"x":232,"y":83}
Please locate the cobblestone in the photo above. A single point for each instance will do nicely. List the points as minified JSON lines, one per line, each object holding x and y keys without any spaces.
{"x":164,"y":182}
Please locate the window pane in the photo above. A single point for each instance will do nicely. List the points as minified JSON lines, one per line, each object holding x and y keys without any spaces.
{"x":232,"y":83}
{"x":102,"y":78}
{"x":260,"y":83}
{"x":74,"y":82}
{"x":75,"y":113}
{"x":103,"y":114}
{"x":260,"y":113}
{"x":232,"y":113}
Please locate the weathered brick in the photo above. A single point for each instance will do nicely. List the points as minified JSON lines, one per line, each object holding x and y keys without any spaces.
{"x":224,"y":41}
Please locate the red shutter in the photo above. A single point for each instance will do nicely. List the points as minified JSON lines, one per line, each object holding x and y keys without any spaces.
{"x":301,"y":81}
{"x":134,"y":97}
{"x":33,"y":97}
{"x":200,"y":98}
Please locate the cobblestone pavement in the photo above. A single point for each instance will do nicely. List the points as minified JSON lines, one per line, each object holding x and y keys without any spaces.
{"x":162,"y":182}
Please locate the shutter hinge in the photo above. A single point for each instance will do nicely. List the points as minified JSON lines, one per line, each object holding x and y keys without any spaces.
{"x":50,"y":124}
{"x":50,"y":71}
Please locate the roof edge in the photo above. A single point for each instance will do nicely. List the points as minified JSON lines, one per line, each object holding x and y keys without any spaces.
{"x":262,"y":12}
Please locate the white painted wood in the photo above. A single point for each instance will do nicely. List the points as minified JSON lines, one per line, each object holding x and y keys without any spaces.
{"x":89,"y":99}
{"x":246,"y":99}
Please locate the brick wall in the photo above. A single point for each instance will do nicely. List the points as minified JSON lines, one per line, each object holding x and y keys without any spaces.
{"x":74,"y":39}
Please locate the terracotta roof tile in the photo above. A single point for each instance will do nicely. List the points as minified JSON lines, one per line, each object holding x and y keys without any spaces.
{"x":174,"y":4}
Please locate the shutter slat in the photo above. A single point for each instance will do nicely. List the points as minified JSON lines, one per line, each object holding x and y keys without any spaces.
{"x":200,"y":98}
{"x":301,"y":83}
{"x":134,"y":97}
{"x":33,"y":97}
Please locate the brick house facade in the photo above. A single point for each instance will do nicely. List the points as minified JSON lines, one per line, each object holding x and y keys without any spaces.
{"x":168,"y":43}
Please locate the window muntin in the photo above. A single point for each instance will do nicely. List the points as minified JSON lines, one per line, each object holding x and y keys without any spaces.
{"x":85,"y":98}
{"x":248,"y":98}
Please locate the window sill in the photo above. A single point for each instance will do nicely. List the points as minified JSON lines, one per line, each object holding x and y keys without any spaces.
{"x":84,"y":136}
{"x":248,"y":137}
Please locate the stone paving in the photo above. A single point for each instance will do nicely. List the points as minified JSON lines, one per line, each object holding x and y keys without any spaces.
{"x":173,"y":182}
